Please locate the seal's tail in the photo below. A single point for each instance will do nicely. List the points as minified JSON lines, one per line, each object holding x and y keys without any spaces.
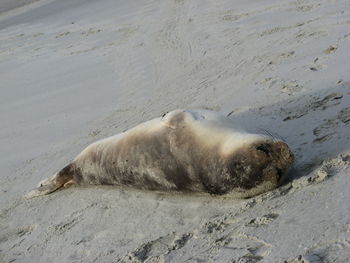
{"x":51,"y":184}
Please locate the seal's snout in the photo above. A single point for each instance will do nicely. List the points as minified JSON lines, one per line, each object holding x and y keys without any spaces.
{"x":285,"y":153}
{"x":276,"y":149}
{"x":284,"y":159}
{"x":274,"y":158}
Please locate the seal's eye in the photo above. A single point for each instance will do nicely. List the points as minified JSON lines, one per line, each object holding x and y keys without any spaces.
{"x":263,"y":148}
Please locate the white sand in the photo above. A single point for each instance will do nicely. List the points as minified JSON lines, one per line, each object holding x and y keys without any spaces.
{"x":72,"y":72}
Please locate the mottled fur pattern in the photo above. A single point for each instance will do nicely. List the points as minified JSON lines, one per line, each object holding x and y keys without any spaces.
{"x":190,"y":151}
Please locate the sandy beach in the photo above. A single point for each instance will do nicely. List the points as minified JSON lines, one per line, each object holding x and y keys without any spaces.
{"x":73,"y":72}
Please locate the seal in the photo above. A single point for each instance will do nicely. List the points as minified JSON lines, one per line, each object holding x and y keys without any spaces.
{"x":188,"y":151}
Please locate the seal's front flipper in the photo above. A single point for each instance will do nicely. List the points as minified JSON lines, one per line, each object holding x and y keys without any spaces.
{"x":53,"y":183}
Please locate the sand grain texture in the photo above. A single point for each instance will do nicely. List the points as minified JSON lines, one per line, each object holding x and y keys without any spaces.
{"x":76,"y":71}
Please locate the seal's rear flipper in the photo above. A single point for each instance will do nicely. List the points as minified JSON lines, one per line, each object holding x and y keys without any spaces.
{"x":51,"y":184}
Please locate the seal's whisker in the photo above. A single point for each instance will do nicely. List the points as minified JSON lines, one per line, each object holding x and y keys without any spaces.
{"x":275,"y":136}
{"x":268,"y":133}
{"x":279,"y":137}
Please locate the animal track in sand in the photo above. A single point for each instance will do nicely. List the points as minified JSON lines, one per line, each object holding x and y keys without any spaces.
{"x":235,"y":17}
{"x":344,"y":115}
{"x":248,"y":258}
{"x":264,"y":220}
{"x":303,"y":8}
{"x":330,"y":49}
{"x":24,"y":230}
{"x":232,"y":15}
{"x":326,"y":129}
{"x":91,"y":31}
{"x":328,"y":251}
{"x":68,"y":223}
{"x":280,"y":29}
{"x":215,"y":225}
{"x":314,"y":104}
{"x":316,"y":65}
{"x":289,"y":87}
{"x":63,"y":34}
{"x":278,"y":59}
{"x":169,"y":36}
{"x":223,"y":236}
{"x":65,"y":226}
{"x":157,"y":249}
{"x":95,"y":132}
{"x":301,"y":259}
{"x":256,"y":248}
{"x":15,"y":239}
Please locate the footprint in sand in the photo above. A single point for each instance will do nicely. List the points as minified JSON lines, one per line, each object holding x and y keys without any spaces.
{"x":264,"y":220}
{"x":155,"y":250}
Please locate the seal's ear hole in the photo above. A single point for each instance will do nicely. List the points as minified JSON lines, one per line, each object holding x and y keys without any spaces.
{"x":263,"y":148}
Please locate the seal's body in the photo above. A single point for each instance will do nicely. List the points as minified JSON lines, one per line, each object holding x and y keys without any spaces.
{"x":193,"y":151}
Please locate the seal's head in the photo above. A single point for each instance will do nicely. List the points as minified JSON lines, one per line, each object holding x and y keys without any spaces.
{"x":260,"y":165}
